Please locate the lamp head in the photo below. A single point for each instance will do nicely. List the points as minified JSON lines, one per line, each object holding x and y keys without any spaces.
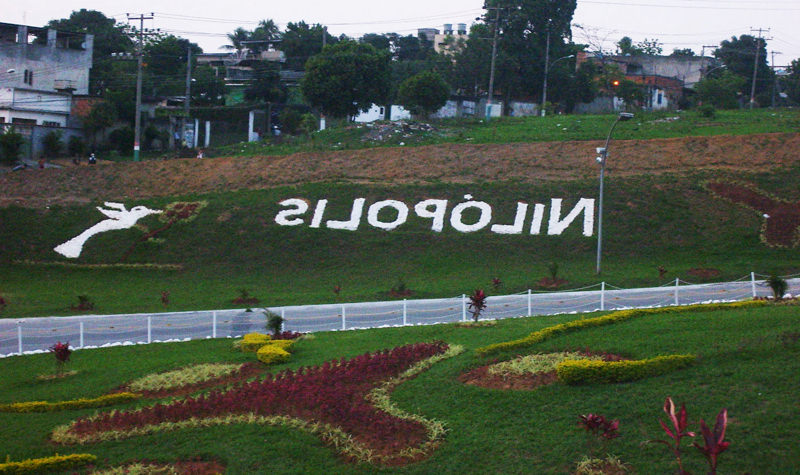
{"x":623,"y":116}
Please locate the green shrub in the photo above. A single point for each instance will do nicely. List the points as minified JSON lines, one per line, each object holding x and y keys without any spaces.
{"x":57,"y":463}
{"x":285,"y":345}
{"x":52,"y":143}
{"x":707,"y":110}
{"x":602,"y":372}
{"x":614,"y":317}
{"x":76,"y":147}
{"x":269,"y":354}
{"x":11,"y":143}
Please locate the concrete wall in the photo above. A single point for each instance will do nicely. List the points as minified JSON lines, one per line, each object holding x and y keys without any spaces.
{"x":34,"y":136}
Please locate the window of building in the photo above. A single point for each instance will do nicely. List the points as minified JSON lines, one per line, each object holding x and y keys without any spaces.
{"x":28,"y":77}
{"x":660,"y":97}
{"x":51,"y":123}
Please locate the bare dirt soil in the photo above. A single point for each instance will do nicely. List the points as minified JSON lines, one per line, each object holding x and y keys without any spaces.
{"x":448,"y":163}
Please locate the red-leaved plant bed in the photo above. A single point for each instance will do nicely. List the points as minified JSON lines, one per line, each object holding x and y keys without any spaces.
{"x":333,"y":393}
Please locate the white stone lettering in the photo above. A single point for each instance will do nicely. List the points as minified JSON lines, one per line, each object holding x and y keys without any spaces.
{"x":300,"y":207}
{"x":483,"y":221}
{"x":423,"y":210}
{"x":319,"y":211}
{"x":437,"y":210}
{"x":557,"y":225}
{"x":519,"y":222}
{"x":402,"y":214}
{"x":355,"y":217}
{"x":538,"y":216}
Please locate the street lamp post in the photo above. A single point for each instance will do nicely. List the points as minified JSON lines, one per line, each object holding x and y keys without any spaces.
{"x":546,"y":73}
{"x":601,"y":159}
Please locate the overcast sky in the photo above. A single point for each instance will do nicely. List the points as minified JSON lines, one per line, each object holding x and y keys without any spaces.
{"x":675,"y":23}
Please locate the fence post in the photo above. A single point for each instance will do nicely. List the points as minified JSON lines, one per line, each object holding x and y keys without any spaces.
{"x":529,"y":303}
{"x":149,"y":329}
{"x":602,"y":296}
{"x":753,"y":283}
{"x":463,"y":307}
{"x":213,"y":324}
{"x":677,"y":284}
{"x":344,"y":318}
{"x":405,"y":312}
{"x":81,"y":335}
{"x":19,"y":336}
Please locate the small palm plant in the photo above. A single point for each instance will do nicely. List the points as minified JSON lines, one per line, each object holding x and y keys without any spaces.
{"x":477,"y":302}
{"x":778,"y":286}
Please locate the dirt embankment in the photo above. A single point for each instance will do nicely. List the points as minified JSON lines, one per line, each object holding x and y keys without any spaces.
{"x":449,"y":163}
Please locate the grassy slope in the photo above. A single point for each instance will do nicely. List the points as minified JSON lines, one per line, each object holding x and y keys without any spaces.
{"x":743,"y":366}
{"x":647,"y":125}
{"x":234,"y":244}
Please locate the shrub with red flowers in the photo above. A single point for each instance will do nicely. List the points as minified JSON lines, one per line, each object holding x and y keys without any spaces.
{"x":334,"y":394}
{"x":61,"y":352}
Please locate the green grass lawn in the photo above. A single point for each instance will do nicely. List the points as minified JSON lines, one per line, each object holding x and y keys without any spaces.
{"x":342,"y":135}
{"x":234,"y":244}
{"x":748,"y":363}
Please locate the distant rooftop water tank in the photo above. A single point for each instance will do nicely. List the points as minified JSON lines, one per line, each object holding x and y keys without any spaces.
{"x":462,"y":28}
{"x":448,"y":28}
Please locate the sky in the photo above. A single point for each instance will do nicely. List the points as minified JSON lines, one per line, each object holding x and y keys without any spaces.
{"x":674,"y":23}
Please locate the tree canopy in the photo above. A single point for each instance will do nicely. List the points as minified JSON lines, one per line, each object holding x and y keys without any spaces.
{"x":423,"y":93}
{"x":739,"y":56}
{"x":346,"y":78}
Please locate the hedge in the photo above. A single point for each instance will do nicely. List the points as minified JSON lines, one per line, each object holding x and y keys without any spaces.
{"x":614,"y":317}
{"x":586,"y":371}
{"x":56,"y":463}
{"x":253,"y":341}
{"x":82,"y":403}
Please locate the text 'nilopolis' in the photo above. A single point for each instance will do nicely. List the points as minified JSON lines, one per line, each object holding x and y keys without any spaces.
{"x":391,"y":214}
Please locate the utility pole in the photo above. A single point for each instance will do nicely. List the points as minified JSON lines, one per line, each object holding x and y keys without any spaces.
{"x":703,"y":69}
{"x":188,"y":91}
{"x":324,"y":36}
{"x":494,"y":56}
{"x":137,"y":130}
{"x":755,"y":66}
{"x":546,"y":70}
{"x":775,"y":83}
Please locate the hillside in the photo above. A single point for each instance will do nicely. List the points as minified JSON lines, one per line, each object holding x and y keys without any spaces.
{"x":445,"y":163}
{"x":662,"y":221}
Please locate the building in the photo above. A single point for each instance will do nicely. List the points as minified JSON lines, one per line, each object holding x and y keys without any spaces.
{"x":40,"y":70}
{"x":663,"y":78}
{"x":237,"y":69}
{"x":449,"y":41}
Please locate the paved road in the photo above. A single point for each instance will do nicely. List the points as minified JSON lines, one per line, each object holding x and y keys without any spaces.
{"x":88,"y":331}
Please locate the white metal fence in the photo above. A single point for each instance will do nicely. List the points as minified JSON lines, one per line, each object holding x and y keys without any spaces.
{"x":33,"y":335}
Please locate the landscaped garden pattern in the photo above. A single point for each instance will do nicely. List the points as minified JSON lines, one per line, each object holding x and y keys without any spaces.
{"x":338,"y":400}
{"x":781,"y":226}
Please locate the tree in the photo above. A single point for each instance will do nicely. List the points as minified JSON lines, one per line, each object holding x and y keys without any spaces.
{"x":302,"y":41}
{"x":377,"y":40}
{"x":739,"y":55}
{"x":165,"y":57}
{"x":237,"y":39}
{"x":682,"y":52}
{"x":424,"y":93}
{"x":526,"y":29}
{"x":11,"y":143}
{"x":266,"y":84}
{"x":346,"y":78}
{"x":109,"y":37}
{"x":101,"y":116}
{"x":790,"y":83}
{"x":625,"y":47}
{"x":724,"y":91}
{"x":207,"y":89}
